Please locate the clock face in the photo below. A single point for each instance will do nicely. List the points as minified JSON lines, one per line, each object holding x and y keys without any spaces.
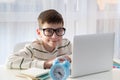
{"x":58,"y":72}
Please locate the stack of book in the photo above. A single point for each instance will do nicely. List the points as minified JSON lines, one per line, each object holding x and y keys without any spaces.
{"x":35,"y":74}
{"x":116,"y":63}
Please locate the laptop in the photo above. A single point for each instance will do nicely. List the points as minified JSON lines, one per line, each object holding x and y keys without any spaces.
{"x":92,"y":53}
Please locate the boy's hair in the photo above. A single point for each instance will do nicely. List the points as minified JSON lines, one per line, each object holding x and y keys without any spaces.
{"x":50,"y":16}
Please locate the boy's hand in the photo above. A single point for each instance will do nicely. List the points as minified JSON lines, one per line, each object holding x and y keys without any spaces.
{"x":48,"y":63}
{"x":68,"y":58}
{"x":62,"y":58}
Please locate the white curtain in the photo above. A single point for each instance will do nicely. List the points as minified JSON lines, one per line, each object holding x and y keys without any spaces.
{"x":18,"y":20}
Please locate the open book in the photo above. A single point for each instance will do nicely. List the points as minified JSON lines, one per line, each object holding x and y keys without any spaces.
{"x":35,"y":74}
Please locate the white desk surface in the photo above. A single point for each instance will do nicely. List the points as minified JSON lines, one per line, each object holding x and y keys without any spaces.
{"x":8,"y":74}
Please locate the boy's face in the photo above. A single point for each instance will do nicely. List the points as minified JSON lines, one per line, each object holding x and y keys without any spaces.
{"x":49,"y":36}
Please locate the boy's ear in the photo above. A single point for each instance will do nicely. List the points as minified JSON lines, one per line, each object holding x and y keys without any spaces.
{"x":38,"y":31}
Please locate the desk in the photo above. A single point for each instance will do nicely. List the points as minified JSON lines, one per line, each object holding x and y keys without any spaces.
{"x":8,"y":74}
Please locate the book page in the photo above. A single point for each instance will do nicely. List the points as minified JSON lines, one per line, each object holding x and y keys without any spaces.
{"x":35,"y":74}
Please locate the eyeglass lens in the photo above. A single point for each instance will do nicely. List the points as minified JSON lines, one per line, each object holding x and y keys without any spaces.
{"x":50,"y":31}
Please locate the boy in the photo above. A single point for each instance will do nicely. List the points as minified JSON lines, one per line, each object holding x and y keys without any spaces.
{"x":50,"y":45}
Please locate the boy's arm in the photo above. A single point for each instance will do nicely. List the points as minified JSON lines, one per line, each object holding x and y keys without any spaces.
{"x":23,"y":59}
{"x":67,"y":51}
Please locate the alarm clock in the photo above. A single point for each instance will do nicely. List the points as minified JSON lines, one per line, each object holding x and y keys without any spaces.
{"x":60,"y":70}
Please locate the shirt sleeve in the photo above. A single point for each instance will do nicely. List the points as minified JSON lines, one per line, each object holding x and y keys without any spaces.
{"x":24,"y":59}
{"x":65,"y":48}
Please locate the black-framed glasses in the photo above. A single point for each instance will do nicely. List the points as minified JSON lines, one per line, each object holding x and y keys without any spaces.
{"x":50,"y":31}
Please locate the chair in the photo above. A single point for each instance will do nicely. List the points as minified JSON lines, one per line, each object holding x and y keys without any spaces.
{"x":20,"y":45}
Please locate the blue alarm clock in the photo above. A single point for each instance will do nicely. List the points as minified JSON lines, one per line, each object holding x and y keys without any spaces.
{"x":60,"y":70}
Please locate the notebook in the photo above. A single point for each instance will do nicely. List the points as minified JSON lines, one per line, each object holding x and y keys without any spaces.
{"x":92,"y":53}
